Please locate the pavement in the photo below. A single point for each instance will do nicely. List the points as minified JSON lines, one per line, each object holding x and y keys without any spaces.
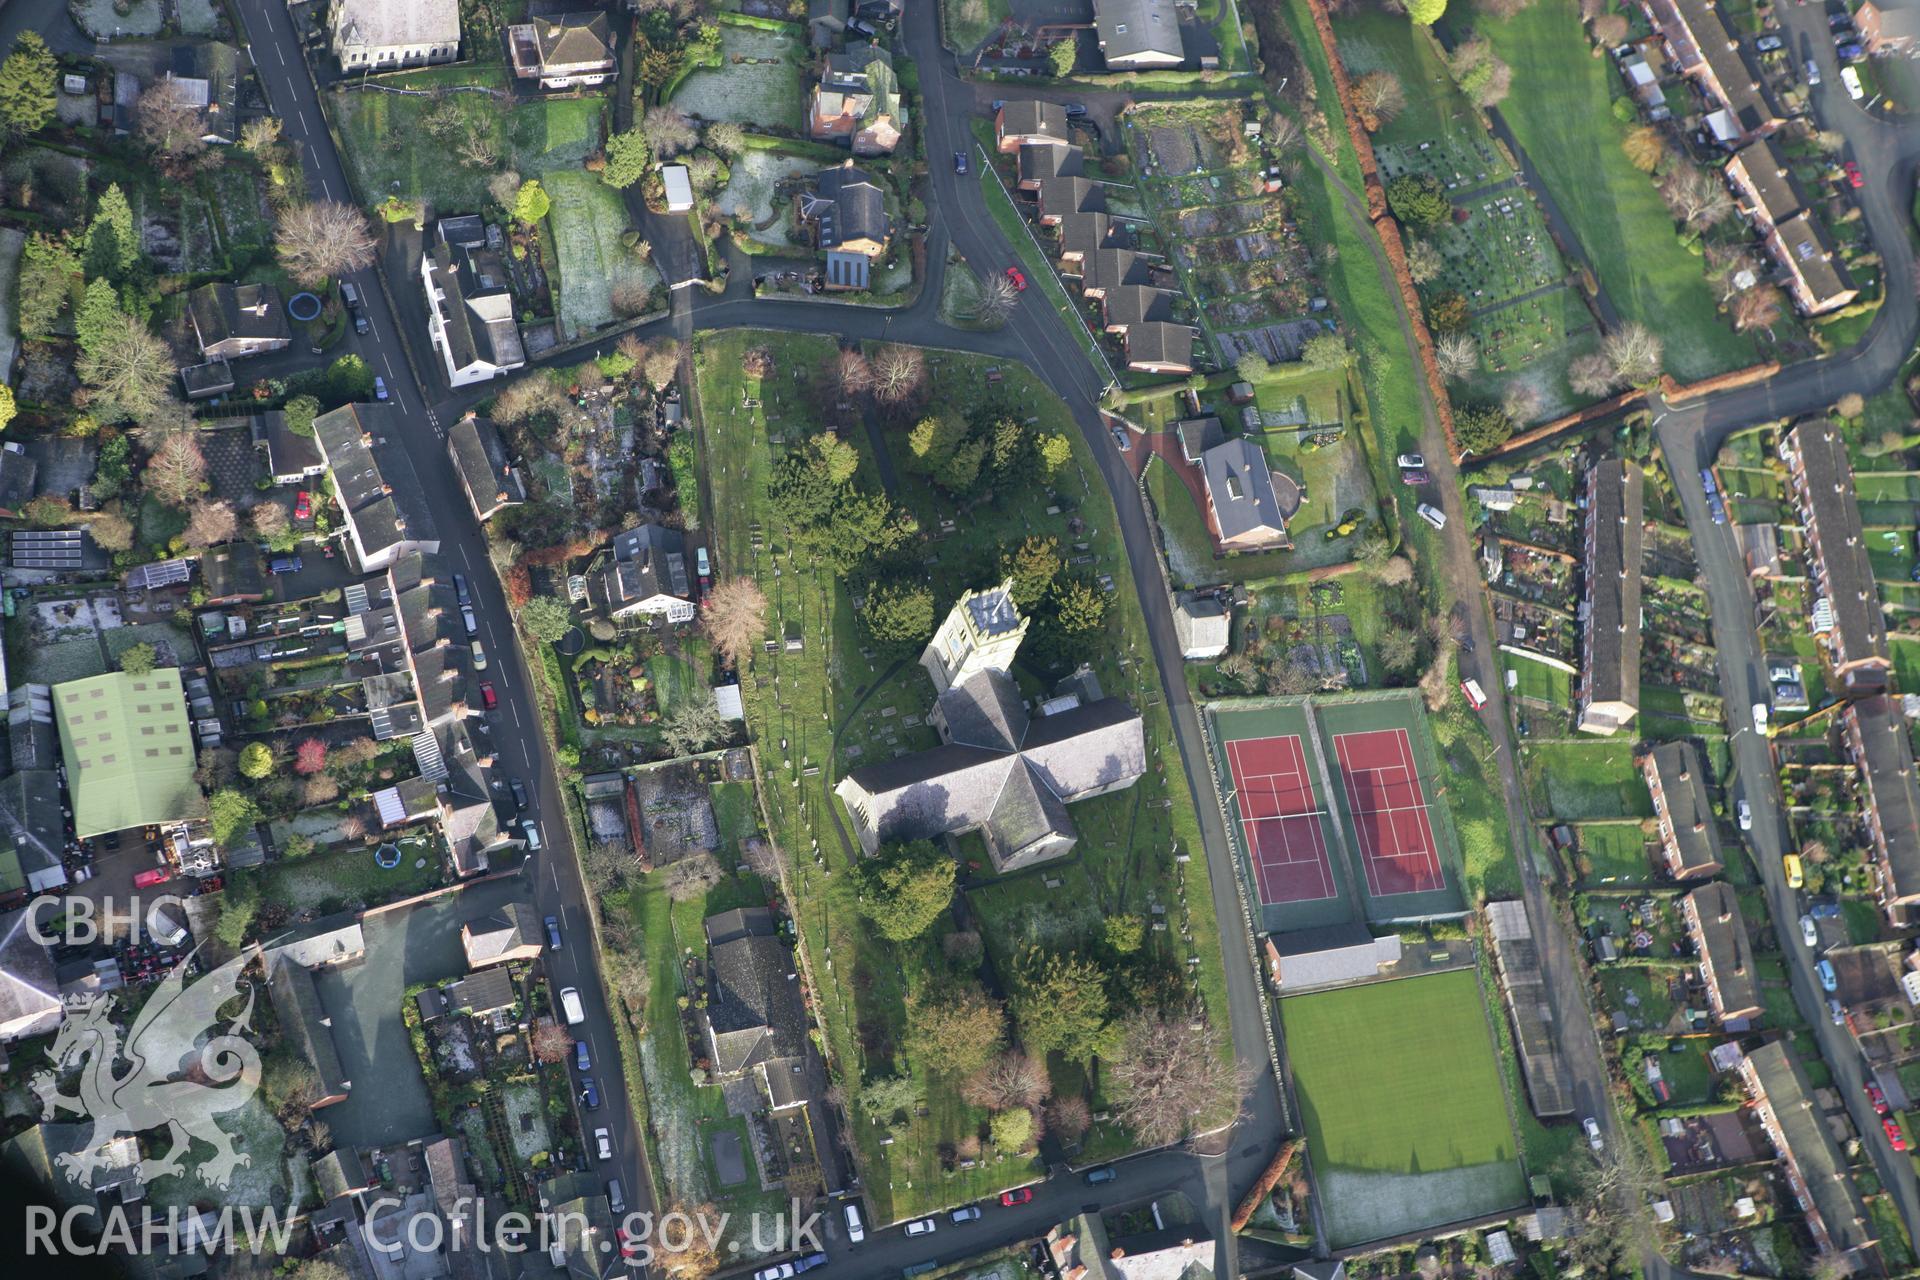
{"x":1043,"y":340}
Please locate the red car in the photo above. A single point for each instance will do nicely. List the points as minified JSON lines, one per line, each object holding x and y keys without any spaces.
{"x":1414,"y":476}
{"x":1018,"y":277}
{"x":303,"y":506}
{"x":488,"y":698}
{"x":1019,"y":1195}
{"x":1897,"y":1138}
{"x":151,"y":877}
{"x":1878,"y":1099}
{"x":630,"y":1244}
{"x":1854,"y":176}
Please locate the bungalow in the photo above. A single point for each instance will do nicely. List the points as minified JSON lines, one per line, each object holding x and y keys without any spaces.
{"x":1138,"y":35}
{"x":847,"y":211}
{"x":1134,"y":304}
{"x":480,"y":460}
{"x":574,"y":50}
{"x":1689,"y":840}
{"x":858,"y":101}
{"x":1816,"y":279}
{"x":1105,"y":269}
{"x":291,"y":458}
{"x":1820,"y":483}
{"x":1059,"y":197}
{"x":1027,"y":123}
{"x":1701,"y":44}
{"x":1609,"y":682}
{"x":1083,"y":233}
{"x":1768,"y":192}
{"x":1719,"y":934}
{"x":379,"y":35}
{"x":470,"y":313}
{"x":1250,"y":507}
{"x":233,"y":320}
{"x":1158,"y":347}
{"x":643,"y":574}
{"x":1042,"y":160}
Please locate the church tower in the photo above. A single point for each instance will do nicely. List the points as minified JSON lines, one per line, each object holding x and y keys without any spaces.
{"x":981,"y":633}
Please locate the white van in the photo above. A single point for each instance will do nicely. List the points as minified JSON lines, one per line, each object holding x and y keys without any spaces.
{"x":856,"y":1230}
{"x":570,"y":1005}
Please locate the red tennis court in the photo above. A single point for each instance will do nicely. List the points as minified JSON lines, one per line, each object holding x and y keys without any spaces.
{"x":1280,"y":819}
{"x":1397,"y":846}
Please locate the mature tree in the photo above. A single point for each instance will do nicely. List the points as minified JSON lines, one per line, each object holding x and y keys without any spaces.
{"x":269,"y":521}
{"x":725,"y":137}
{"x":1062,"y":54}
{"x":1008,"y":1081}
{"x":97,"y":324}
{"x":113,"y":241}
{"x":1614,"y":1190}
{"x":852,"y":371}
{"x":670,"y":130}
{"x":532,"y":396}
{"x":1060,"y":1005}
{"x":904,"y":887}
{"x":1379,"y":97}
{"x":131,"y":371}
{"x":1610,"y":28}
{"x":1079,"y":605}
{"x":48,"y":267}
{"x":546,"y":619}
{"x":260,"y":135}
{"x":212,"y":523}
{"x":310,"y":757}
{"x":1482,"y":428}
{"x":899,"y":612}
{"x":1069,"y":1118}
{"x":530,"y":203}
{"x":837,"y":459}
{"x":687,"y":1253}
{"x":662,"y":363}
{"x":959,"y":471}
{"x":28,"y":97}
{"x":322,"y":240}
{"x":1125,"y":933}
{"x":1055,"y":451}
{"x":1033,"y":566}
{"x":898,"y":373}
{"x":934,"y":439}
{"x":169,"y":122}
{"x":1325,"y":352}
{"x":240,"y":902}
{"x":693,"y":727}
{"x":1645,"y":148}
{"x":953,"y":1027}
{"x":1400,"y":650}
{"x":111,"y":531}
{"x":1419,"y":200}
{"x":1635,"y":352}
{"x":1592,"y":374}
{"x":233,"y":814}
{"x":138,"y":659}
{"x":1696,"y":196}
{"x":1448,"y":313}
{"x":1424,"y":261}
{"x":1170,"y":1078}
{"x":1479,"y":72}
{"x":7,"y":406}
{"x":177,"y":472}
{"x":1458,"y":356}
{"x":256,"y":760}
{"x":1011,"y":1130}
{"x":629,"y":157}
{"x":735,"y":619}
{"x":994,"y":307}
{"x":693,"y":877}
{"x":1851,"y":405}
{"x":551,"y":1043}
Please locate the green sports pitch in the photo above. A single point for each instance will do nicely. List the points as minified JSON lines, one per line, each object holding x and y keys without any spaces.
{"x":1398,"y":1080}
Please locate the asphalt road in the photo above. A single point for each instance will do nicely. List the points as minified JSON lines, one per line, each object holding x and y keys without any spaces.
{"x":514,"y":728}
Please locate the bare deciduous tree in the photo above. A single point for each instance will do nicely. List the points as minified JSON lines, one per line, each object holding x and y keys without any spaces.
{"x":319,"y":241}
{"x":1592,"y":374}
{"x":167,"y":120}
{"x":1171,"y":1078}
{"x":662,"y":363}
{"x":269,"y":520}
{"x":1458,"y":356}
{"x":211,"y":524}
{"x":1282,"y":131}
{"x":692,"y":1258}
{"x":129,"y":369}
{"x":670,"y":131}
{"x":1635,"y":353}
{"x":1069,"y":1117}
{"x":1695,"y":196}
{"x":607,"y":864}
{"x":735,"y":619}
{"x":692,"y":876}
{"x":551,"y":1043}
{"x":994,"y":306}
{"x":1379,"y":97}
{"x":1424,"y":262}
{"x":853,"y":371}
{"x":898,"y":373}
{"x":1615,"y":1189}
{"x":259,"y":133}
{"x":1757,"y":308}
{"x":528,"y":397}
{"x":1522,"y":402}
{"x":1610,"y":28}
{"x":503,"y":187}
{"x":1010,"y":1080}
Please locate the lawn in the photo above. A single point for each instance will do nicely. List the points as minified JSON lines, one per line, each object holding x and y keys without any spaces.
{"x":588,"y":218}
{"x":333,"y":881}
{"x":1576,"y":779}
{"x":1614,"y":853}
{"x":388,"y":147}
{"x":758,"y":81}
{"x":675,"y":682}
{"x":749,"y":194}
{"x":1560,"y":109}
{"x":1183,"y":530}
{"x":1539,"y":681}
{"x":1406,"y":1118}
{"x":968,"y":22}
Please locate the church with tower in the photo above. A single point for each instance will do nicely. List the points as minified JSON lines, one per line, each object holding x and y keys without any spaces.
{"x":1004,"y":769}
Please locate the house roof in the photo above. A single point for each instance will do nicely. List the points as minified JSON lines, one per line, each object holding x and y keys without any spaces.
{"x":1683,"y":784}
{"x":32,"y":822}
{"x":740,"y":922}
{"x":1803,"y":244}
{"x":1241,"y":488}
{"x":1062,"y":195}
{"x":848,"y":205}
{"x":1746,"y":97}
{"x":360,"y":444}
{"x":1039,"y":160}
{"x":1770,"y":179}
{"x":482,"y":991}
{"x":288,"y":452}
{"x":1201,"y":622}
{"x":501,"y":933}
{"x":1823,"y":1169}
{"x":248,"y":311}
{"x":1613,"y":581}
{"x":1159,"y":343}
{"x":1131,"y":28}
{"x":1306,"y":958}
{"x":753,"y":1005}
{"x":1113,"y":268}
{"x":29,"y":992}
{"x":129,"y":750}
{"x":297,"y":1001}
{"x":1725,"y":946}
{"x":381,"y":23}
{"x":573,"y":39}
{"x":18,"y":472}
{"x":1197,"y":435}
{"x":1829,"y":505}
{"x":1893,"y":795}
{"x":481,"y":459}
{"x":1030,"y":118}
{"x":477,"y":312}
{"x":648,"y":561}
{"x":339,"y":1172}
{"x":1132,"y":304}
{"x":1082,"y":233}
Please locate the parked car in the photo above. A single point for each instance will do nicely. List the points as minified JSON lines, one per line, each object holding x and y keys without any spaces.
{"x":1796,"y":874}
{"x":1850,"y":50}
{"x":519,"y":790}
{"x":1075,"y":109}
{"x":1760,"y":718}
{"x":964,"y":1214}
{"x":856,"y":1229}
{"x":479,"y":656}
{"x":356,"y":305}
{"x":1104,"y":1174}
{"x":152,"y":876}
{"x":1813,"y":72}
{"x":616,"y":1198}
{"x":1592,"y":1128}
{"x":808,"y":1262}
{"x":286,"y":564}
{"x":1851,"y":79}
{"x":1745,"y":811}
{"x":488,"y":698}
{"x":1894,"y":1133}
{"x":1839,"y":18}
{"x":1877,"y":1100}
{"x":779,"y":1271}
{"x":530,"y":832}
{"x":303,"y":506}
{"x":582,"y":1059}
{"x":379,"y":387}
{"x":1855,"y":178}
{"x":1019,"y":279}
{"x":922,"y":1227}
{"x":1809,"y":931}
{"x":1411,"y":461}
{"x":553,"y":932}
{"x":1432,"y":515}
{"x":1837,"y":1012}
{"x":603,"y":1143}
{"x":959,"y":162}
{"x":460,"y":589}
{"x":570,"y":1006}
{"x":589,"y":1094}
{"x":1829,"y":980}
{"x":471,"y":623}
{"x":1767,"y":44}
{"x":1019,"y":1195}
{"x":1413,"y":475}
{"x":1121,"y":440}
{"x":1825,"y":910}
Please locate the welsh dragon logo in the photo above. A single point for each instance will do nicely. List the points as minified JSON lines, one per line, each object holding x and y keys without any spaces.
{"x":181,"y":1095}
